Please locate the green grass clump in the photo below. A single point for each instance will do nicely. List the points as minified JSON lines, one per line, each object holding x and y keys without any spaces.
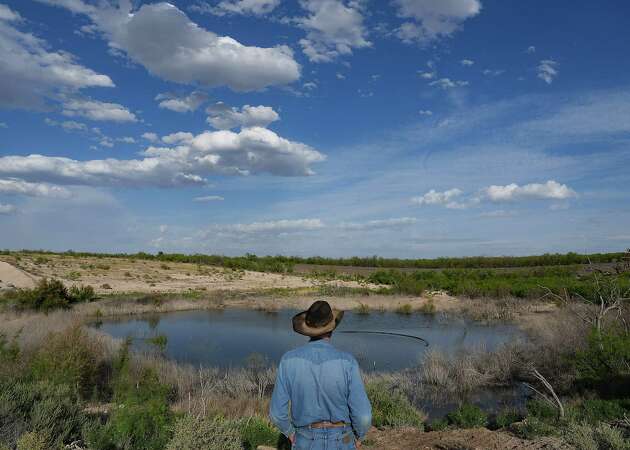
{"x":468,"y":416}
{"x":506,"y":418}
{"x":390,"y":408}
{"x":584,"y":436}
{"x":32,"y":441}
{"x":438,"y":425}
{"x":193,"y":433}
{"x":363,"y":309}
{"x":405,"y":309}
{"x":257,"y":431}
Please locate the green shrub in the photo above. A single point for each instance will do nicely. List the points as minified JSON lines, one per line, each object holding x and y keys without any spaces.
{"x":541,"y":410}
{"x":141,"y":419}
{"x":48,"y":295}
{"x":606,"y":357}
{"x":581,"y":436}
{"x":390,"y":408}
{"x":506,"y":418}
{"x":599,"y":410}
{"x":71,"y":357}
{"x":405,"y":309}
{"x":610,"y":438}
{"x":193,"y":433}
{"x":32,"y":441}
{"x":257,"y":431}
{"x":438,"y":425}
{"x":468,"y":416}
{"x":50,"y":410}
{"x":532,"y":427}
{"x":362,"y":310}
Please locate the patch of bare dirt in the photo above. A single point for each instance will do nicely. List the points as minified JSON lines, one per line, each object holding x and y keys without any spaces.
{"x":475,"y":439}
{"x":12,"y":277}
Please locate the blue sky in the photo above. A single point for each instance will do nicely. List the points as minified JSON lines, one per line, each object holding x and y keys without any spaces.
{"x":403,"y":128}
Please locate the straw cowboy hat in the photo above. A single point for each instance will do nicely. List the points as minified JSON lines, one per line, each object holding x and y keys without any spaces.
{"x":319,"y":319}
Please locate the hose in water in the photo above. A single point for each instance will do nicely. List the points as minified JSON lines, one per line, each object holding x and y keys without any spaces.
{"x":387,"y":333}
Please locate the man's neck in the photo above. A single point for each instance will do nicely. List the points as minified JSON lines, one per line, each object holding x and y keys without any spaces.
{"x":321,"y":339}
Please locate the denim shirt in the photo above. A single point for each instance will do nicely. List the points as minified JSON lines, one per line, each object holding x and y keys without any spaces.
{"x":322,"y":384}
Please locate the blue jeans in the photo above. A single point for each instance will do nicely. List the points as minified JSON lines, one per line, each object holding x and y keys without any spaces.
{"x":341,"y":438}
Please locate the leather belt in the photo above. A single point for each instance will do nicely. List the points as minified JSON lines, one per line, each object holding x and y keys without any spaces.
{"x":326,"y":424}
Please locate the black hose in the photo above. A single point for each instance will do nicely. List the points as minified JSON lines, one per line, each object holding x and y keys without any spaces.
{"x":424,"y":341}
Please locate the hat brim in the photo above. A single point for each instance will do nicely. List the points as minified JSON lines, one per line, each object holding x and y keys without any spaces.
{"x":300,"y":326}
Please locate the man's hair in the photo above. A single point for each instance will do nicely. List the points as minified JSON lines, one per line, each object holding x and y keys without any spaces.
{"x":322,"y":336}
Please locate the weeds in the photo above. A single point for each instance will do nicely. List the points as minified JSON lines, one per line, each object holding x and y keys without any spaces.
{"x":48,"y":295}
{"x":390,"y":408}
{"x":468,"y":416}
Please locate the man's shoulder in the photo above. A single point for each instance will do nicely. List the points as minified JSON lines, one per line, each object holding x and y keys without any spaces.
{"x":308,"y":351}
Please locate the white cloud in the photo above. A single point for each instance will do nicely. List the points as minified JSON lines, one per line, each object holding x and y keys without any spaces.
{"x":425,"y":112}
{"x":334,"y":28}
{"x":380,"y":223}
{"x":67,"y":125}
{"x":245,"y":7}
{"x":14,"y":186}
{"x":31,"y":73}
{"x":225,"y":117}
{"x":447,"y":83}
{"x":433,"y":19}
{"x":276,"y":226}
{"x":208,"y":198}
{"x":340,"y":76}
{"x":467,"y":62}
{"x":5,"y":208}
{"x":151,"y":137}
{"x":427,"y":75}
{"x":188,"y":103}
{"x":547,"y":70}
{"x":180,"y":137}
{"x":3,"y":125}
{"x":97,"y":110}
{"x":493,"y":73}
{"x":446,"y":198}
{"x":127,"y":140}
{"x":248,"y":152}
{"x":168,"y":44}
{"x":550,"y":190}
{"x":310,"y":85}
{"x":531,"y":49}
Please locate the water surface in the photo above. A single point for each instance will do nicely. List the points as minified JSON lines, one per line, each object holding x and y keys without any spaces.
{"x":227,"y":338}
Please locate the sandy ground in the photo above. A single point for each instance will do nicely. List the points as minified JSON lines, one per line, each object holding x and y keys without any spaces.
{"x":475,"y":439}
{"x":119,"y":275}
{"x":11,"y":276}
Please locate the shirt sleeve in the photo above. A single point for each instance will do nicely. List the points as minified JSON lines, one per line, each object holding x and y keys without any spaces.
{"x":358,"y":402}
{"x":279,"y":408}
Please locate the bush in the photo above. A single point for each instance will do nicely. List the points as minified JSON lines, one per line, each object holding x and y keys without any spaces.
{"x":532,"y":427}
{"x":31,"y":441}
{"x":141,"y":419}
{"x":438,"y":425}
{"x":50,"y":410}
{"x":73,"y":358}
{"x":468,"y":416}
{"x":405,"y":309}
{"x":256,"y":431}
{"x":390,"y":408}
{"x":48,"y":295}
{"x":506,"y":418}
{"x":194,"y":433}
{"x":606,"y":359}
{"x":581,"y":437}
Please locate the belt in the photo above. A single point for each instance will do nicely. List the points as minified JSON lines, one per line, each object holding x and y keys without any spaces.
{"x":326,"y":424}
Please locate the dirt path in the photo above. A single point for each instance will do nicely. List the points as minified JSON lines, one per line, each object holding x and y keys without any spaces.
{"x":475,"y":439}
{"x":11,"y":276}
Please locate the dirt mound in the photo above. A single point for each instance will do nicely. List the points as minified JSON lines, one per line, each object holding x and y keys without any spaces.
{"x":475,"y":439}
{"x":12,"y":277}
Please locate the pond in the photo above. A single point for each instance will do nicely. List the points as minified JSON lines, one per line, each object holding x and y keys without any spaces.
{"x":229,"y":337}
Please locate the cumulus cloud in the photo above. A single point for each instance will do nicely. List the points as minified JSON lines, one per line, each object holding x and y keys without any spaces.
{"x":467,"y":62}
{"x":276,"y":226}
{"x":493,"y":73}
{"x":446,"y":198}
{"x":168,"y":44}
{"x":14,"y":186}
{"x":188,"y":103}
{"x":433,"y":19}
{"x":425,"y":112}
{"x":379,"y":224}
{"x":181,"y":137}
{"x":225,"y":117}
{"x":547,"y":70}
{"x":31,"y":73}
{"x":244,"y":7}
{"x":334,"y":28}
{"x":427,"y":75}
{"x":531,"y":49}
{"x":6,"y":209}
{"x":248,"y":152}
{"x":447,"y":83}
{"x":551,"y":190}
{"x":97,"y":110}
{"x":151,"y":137}
{"x":208,"y":198}
{"x":67,"y":125}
